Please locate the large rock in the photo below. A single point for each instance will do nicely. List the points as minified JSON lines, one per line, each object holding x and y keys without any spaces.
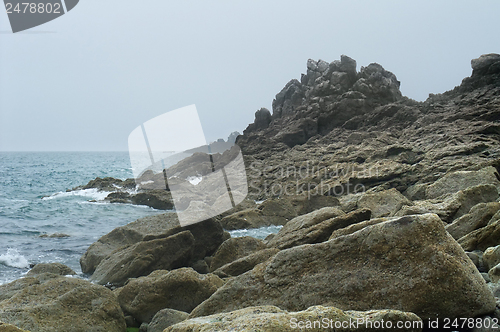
{"x":208,"y":236}
{"x":182,"y":289}
{"x":144,"y":257}
{"x":398,"y":264}
{"x":478,"y":217}
{"x":360,"y":225}
{"x":315,"y":227}
{"x":491,"y":257}
{"x":383,"y":203}
{"x":277,"y":211}
{"x":246,"y":263}
{"x":482,"y":239}
{"x":10,"y":289}
{"x":452,"y":207}
{"x":61,"y":304}
{"x":55,"y":268}
{"x":235,"y":248}
{"x":165,"y":318}
{"x":314,"y":319}
{"x":460,"y":180}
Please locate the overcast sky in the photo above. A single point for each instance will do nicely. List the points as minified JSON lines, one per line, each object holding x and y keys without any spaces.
{"x":84,"y":81}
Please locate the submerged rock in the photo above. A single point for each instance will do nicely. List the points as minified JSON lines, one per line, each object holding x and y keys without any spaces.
{"x":55,"y":268}
{"x":409,"y":264}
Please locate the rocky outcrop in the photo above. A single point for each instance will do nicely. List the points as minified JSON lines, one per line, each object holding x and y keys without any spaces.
{"x":182,"y":289}
{"x":235,"y":248}
{"x":398,"y":264}
{"x":350,"y":132}
{"x":58,"y":304}
{"x":208,"y":236}
{"x":276,"y":211}
{"x":314,"y":319}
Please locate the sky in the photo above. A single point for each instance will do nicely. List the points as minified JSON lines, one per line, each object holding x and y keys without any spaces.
{"x":86,"y":80}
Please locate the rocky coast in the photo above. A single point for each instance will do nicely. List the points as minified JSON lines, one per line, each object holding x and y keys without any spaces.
{"x":390,"y":211}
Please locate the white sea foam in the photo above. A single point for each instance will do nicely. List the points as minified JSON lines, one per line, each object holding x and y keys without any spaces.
{"x":259,"y":233}
{"x":90,"y":193}
{"x":194,"y":180}
{"x":14,"y":259}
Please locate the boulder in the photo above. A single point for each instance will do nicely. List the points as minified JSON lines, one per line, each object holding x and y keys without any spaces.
{"x":165,"y":318}
{"x":55,"y":268}
{"x":246,"y":263}
{"x":491,"y":257}
{"x":459,"y":180}
{"x":478,"y":217}
{"x":383,"y":203}
{"x":482,"y":239}
{"x":356,"y":227}
{"x":398,"y":264}
{"x":235,"y":248}
{"x":314,"y":319}
{"x":452,"y":207}
{"x":208,"y":236}
{"x":248,"y":218}
{"x":64,"y":304}
{"x":315,"y":227}
{"x":142,"y":258}
{"x":182,"y":289}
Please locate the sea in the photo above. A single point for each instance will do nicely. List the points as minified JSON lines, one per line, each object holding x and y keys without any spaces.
{"x":35,"y":205}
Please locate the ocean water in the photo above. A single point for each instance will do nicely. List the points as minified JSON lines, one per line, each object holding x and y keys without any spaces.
{"x":34,"y":202}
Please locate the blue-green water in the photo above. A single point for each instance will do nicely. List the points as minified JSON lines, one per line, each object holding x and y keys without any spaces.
{"x":26,"y":213}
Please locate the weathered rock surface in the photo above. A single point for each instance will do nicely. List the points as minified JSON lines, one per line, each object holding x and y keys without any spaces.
{"x":491,"y":257}
{"x":349,"y":132}
{"x":450,"y":208}
{"x":315,"y":227}
{"x":276,"y":211}
{"x":460,"y":180}
{"x":165,"y":318}
{"x":60,"y":304}
{"x":398,"y":264}
{"x":384,"y":203}
{"x":208,"y":236}
{"x":55,"y":268}
{"x":142,"y":258}
{"x":478,"y":217}
{"x":271,"y":318}
{"x":235,"y":248}
{"x":482,"y":239}
{"x":182,"y":289}
{"x":246,"y":263}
